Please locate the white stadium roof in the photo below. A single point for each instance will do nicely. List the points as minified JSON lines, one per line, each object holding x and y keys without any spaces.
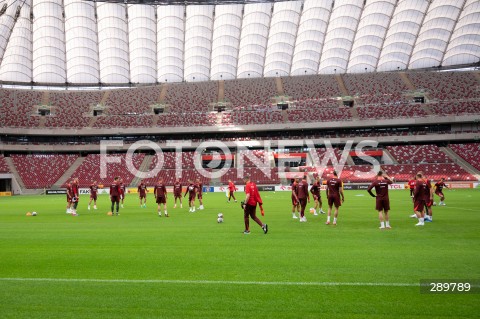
{"x":91,"y":42}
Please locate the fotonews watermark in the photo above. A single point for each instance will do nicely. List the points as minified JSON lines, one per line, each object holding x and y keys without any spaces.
{"x":215,"y":159}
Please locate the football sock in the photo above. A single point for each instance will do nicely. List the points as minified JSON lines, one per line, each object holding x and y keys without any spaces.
{"x":328,"y":219}
{"x":387,"y":224}
{"x":334,"y":220}
{"x":382,"y":224}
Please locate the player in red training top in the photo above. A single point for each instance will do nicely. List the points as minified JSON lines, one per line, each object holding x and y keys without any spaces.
{"x":177,"y":193}
{"x":191,"y":191}
{"x":334,"y":191}
{"x":93,"y":195}
{"x":303,"y":195}
{"x":122,"y":191}
{"x":142,"y":194}
{"x":315,"y":190}
{"x":439,"y":191}
{"x":382,"y":200}
{"x":69,"y":197}
{"x":115,"y":195}
{"x":199,"y":186}
{"x":160,"y":192}
{"x":295,"y":202}
{"x":411,"y":185}
{"x":419,"y":199}
{"x":75,"y":197}
{"x":428,"y":194}
{"x":231,"y":191}
{"x":250,"y":206}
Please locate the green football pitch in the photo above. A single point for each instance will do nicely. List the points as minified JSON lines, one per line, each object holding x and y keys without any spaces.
{"x":138,"y":265}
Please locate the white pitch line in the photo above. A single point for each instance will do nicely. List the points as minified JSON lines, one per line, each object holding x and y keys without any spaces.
{"x":218,"y":282}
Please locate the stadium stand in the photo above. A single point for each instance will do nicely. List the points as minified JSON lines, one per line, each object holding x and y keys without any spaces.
{"x":409,"y":154}
{"x":390,"y":112}
{"x":132,"y":101}
{"x":18,"y":107}
{"x":89,"y":170}
{"x":71,"y":108}
{"x":376,"y":88}
{"x":469,"y":152}
{"x":256,"y":174}
{"x":321,"y":114}
{"x":246,"y":92}
{"x":191,"y":97}
{"x":451,"y":171}
{"x":311,"y":87}
{"x":455,"y":108}
{"x":42,"y":170}
{"x":446,"y":85}
{"x":3,"y":165}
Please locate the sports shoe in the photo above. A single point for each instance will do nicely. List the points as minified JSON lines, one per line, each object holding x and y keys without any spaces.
{"x":166,"y":215}
{"x":388,"y":227}
{"x":181,"y":206}
{"x":88,"y":208}
{"x":122,"y":205}
{"x":327,"y":223}
{"x":322,"y":212}
{"x":235,"y":201}
{"x":334,"y":223}
{"x":246,"y":232}
{"x":94,"y":207}
{"x":118,"y":214}
{"x":74,"y":214}
{"x":428,"y":220}
{"x":265,"y":228}
{"x":381,"y":227}
{"x":175,"y":206}
{"x":419,"y":224}
{"x":315,"y":214}
{"x":159,"y":214}
{"x":294,"y":216}
{"x":413,"y":216}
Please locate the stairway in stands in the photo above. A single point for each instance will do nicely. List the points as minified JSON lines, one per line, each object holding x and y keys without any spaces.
{"x":460,"y":161}
{"x":68,"y":173}
{"x":144,"y":167}
{"x":13,"y":170}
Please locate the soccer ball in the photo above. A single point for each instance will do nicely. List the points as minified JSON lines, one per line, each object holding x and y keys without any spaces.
{"x":28,"y":214}
{"x":109,"y":213}
{"x":434,"y":204}
{"x":220,"y":218}
{"x":312,"y":210}
{"x":34,"y":213}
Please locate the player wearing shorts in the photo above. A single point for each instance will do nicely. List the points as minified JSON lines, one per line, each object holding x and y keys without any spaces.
{"x":142,"y":194}
{"x":334,"y":191}
{"x":419,"y":199}
{"x":93,"y":195}
{"x":191,"y":191}
{"x":122,"y":191}
{"x":69,"y":197}
{"x":428,"y":195}
{"x":295,"y":202}
{"x":411,"y":185}
{"x":382,"y":200}
{"x":231,"y":191}
{"x":115,"y":195}
{"x":303,"y":195}
{"x":315,"y":190}
{"x":439,"y":191}
{"x":160,"y":192}
{"x":75,"y":197}
{"x":199,"y":186}
{"x":250,"y":206}
{"x":177,"y":193}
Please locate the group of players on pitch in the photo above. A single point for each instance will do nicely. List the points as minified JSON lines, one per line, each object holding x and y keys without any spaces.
{"x":421,"y":191}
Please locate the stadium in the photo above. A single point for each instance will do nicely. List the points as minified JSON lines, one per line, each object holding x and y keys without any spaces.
{"x":207,"y":93}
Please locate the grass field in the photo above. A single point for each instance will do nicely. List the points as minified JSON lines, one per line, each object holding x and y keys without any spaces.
{"x":138,"y":265}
